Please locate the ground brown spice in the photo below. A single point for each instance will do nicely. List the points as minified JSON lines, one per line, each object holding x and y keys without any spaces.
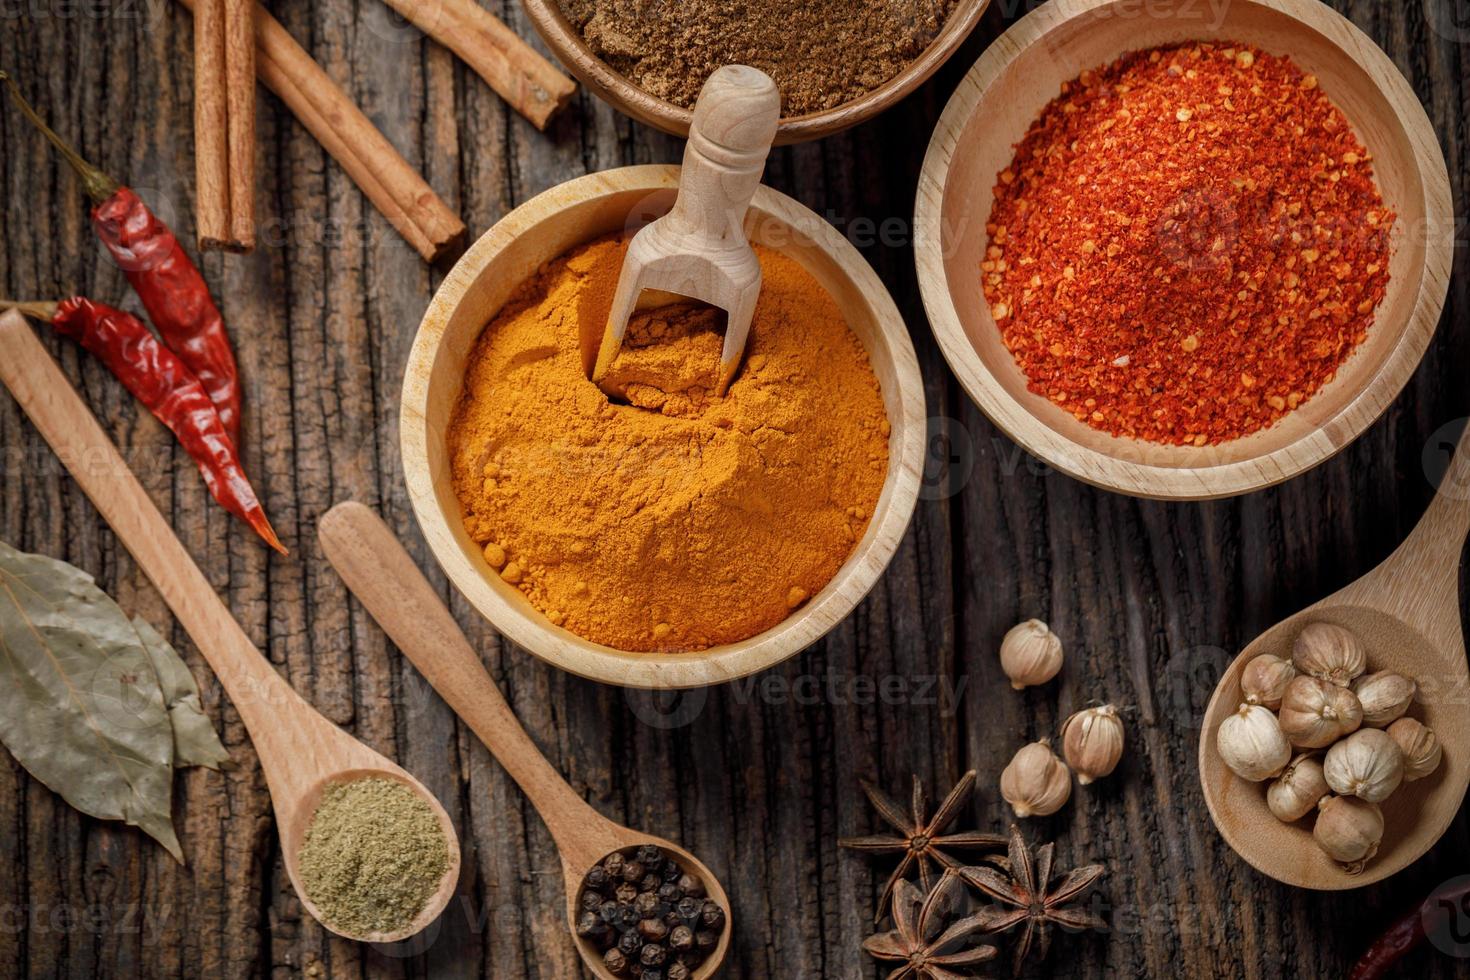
{"x":373,"y":856}
{"x":821,"y":53}
{"x":661,"y":517}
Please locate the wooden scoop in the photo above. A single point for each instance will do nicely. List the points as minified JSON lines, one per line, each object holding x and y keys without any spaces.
{"x":1407,"y":612}
{"x":301,"y":752}
{"x":699,"y":249}
{"x":389,"y":585}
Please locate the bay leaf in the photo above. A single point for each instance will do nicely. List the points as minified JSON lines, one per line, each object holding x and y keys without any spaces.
{"x":195,"y":741}
{"x":81,"y":707}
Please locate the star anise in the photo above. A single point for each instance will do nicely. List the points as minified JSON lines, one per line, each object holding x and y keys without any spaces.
{"x":1037,"y":899}
{"x":922,"y":840}
{"x":919,"y":940}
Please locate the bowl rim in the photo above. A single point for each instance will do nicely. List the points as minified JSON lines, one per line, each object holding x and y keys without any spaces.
{"x":625,"y":95}
{"x":1115,"y":470}
{"x":526,"y":626}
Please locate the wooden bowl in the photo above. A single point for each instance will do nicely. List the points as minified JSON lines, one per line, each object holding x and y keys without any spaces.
{"x":619,"y":91}
{"x":508,"y":254}
{"x":1006,"y":91}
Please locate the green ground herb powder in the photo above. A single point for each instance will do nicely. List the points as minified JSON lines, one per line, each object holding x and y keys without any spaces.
{"x":373,"y":857}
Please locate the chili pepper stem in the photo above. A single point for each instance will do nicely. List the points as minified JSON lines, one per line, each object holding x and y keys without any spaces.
{"x":36,"y":309}
{"x":98,"y":185}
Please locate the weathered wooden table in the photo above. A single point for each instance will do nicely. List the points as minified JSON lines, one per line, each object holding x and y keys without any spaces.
{"x":759,"y":777}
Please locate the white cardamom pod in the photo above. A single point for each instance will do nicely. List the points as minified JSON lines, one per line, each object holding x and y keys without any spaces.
{"x":1420,"y":746}
{"x":1315,"y":713}
{"x":1298,"y":790}
{"x":1264,"y":680}
{"x":1252,"y":745}
{"x":1349,"y":830}
{"x":1030,"y":654}
{"x":1367,"y":764}
{"x":1330,"y":652}
{"x":1092,"y":742}
{"x":1385,"y":696}
{"x":1036,"y":783}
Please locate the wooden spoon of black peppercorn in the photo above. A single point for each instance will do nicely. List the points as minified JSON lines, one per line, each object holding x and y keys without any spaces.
{"x":390,"y":586}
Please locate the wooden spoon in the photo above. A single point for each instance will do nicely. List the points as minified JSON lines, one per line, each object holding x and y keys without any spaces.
{"x":393,"y":590}
{"x":300,"y":751}
{"x":699,"y":248}
{"x":1407,"y":612}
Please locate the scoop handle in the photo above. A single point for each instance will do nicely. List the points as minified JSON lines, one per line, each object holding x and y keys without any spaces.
{"x":384,"y":578}
{"x":734,"y":123}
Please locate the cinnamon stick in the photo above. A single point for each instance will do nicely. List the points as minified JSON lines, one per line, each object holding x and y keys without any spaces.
{"x":239,"y":44}
{"x":211,"y":150}
{"x":387,"y":179}
{"x":523,"y":78}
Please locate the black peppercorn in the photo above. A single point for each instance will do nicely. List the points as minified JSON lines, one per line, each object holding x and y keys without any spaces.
{"x":590,"y":901}
{"x":650,"y":882}
{"x":609,"y":912}
{"x":627,"y":918}
{"x":652,"y":973}
{"x":689,"y":909}
{"x":672,"y":919}
{"x":705,"y":940}
{"x":613,"y":865}
{"x":712,"y":916}
{"x":629,"y":943}
{"x":615,"y":961}
{"x":590,"y":924}
{"x":681,"y":938}
{"x":653,"y":930}
{"x":646,"y":905}
{"x":691,"y":885}
{"x":653,"y":955}
{"x":598,"y":879}
{"x":678,"y":971}
{"x":671,"y":871}
{"x":651,"y":856}
{"x":669,"y":893}
{"x":626,"y":893}
{"x":633,"y":871}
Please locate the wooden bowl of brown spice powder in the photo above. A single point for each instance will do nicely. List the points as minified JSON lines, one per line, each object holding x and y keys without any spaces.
{"x":1179,"y":252}
{"x":837,"y":62}
{"x":645,"y":533}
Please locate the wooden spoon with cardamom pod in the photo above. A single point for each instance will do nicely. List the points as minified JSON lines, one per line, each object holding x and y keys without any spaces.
{"x":1406,"y":612}
{"x":301,"y":752}
{"x":391,"y":588}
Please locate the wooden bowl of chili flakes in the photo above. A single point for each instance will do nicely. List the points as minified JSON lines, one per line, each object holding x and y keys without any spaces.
{"x":1197,"y":339}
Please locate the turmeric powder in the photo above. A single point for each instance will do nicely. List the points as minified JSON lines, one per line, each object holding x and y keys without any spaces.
{"x":647,"y":514}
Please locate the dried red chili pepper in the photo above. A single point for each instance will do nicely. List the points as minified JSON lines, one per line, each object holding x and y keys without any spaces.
{"x":165,"y":279}
{"x":1409,"y":931}
{"x":1187,"y":245}
{"x":164,"y":384}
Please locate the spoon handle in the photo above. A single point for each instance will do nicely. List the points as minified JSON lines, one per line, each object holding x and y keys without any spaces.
{"x":1448,"y":519}
{"x":279,"y":720}
{"x":391,"y":588}
{"x":1420,"y":582}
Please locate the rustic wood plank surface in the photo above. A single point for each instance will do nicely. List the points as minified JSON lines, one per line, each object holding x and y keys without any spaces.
{"x":760,"y":778}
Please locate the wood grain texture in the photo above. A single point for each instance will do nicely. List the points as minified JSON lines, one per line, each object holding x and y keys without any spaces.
{"x":1153,"y":599}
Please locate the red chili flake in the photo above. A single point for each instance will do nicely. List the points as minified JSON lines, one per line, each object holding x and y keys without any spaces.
{"x":1187,"y":245}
